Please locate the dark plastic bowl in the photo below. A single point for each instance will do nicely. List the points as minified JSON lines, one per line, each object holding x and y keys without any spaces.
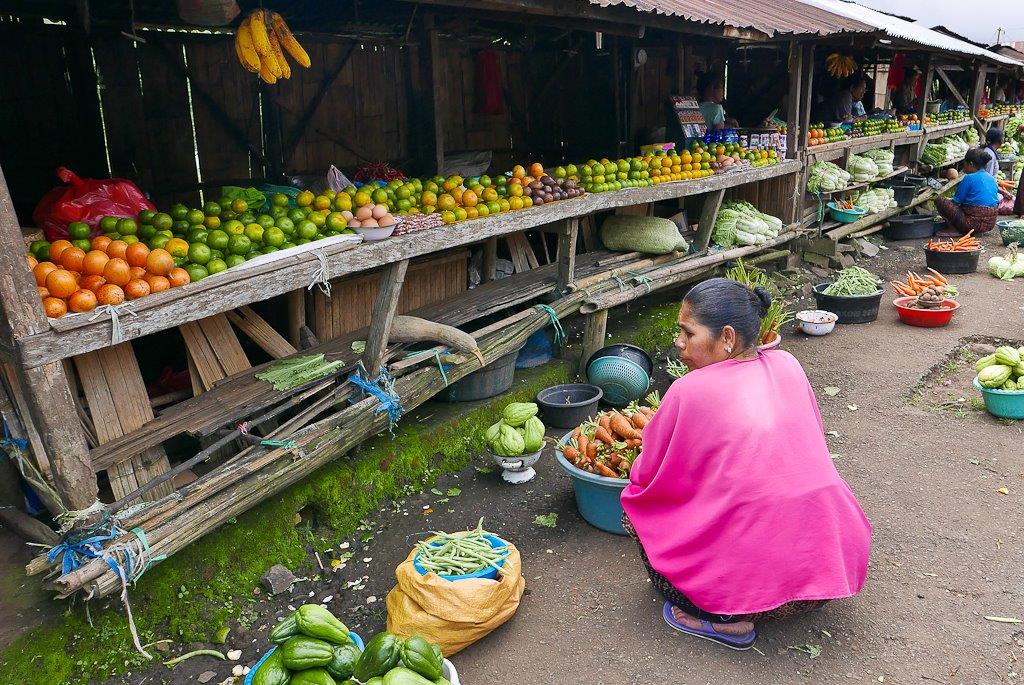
{"x":569,"y":405}
{"x":952,"y":262}
{"x":630,"y":352}
{"x":859,"y":309}
{"x":910,"y":227}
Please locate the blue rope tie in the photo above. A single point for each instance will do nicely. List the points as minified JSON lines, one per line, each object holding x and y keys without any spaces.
{"x":640,"y":279}
{"x":620,"y":282}
{"x":383,"y":388}
{"x":77,"y":552}
{"x":441,"y":367}
{"x":555,"y":323}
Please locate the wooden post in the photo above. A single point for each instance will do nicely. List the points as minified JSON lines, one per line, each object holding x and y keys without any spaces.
{"x":296,"y":316}
{"x":47,"y":393}
{"x":706,"y":223}
{"x":391,"y":280}
{"x":978,"y":90}
{"x":807,"y":98}
{"x":926,"y":93}
{"x":489,"y":268}
{"x":961,"y":99}
{"x":437,"y":89}
{"x":567,"y":235}
{"x":794,"y":136}
{"x":594,"y":328}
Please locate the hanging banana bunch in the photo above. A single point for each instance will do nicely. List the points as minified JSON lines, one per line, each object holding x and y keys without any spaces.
{"x":840,"y":66}
{"x":261,"y":41}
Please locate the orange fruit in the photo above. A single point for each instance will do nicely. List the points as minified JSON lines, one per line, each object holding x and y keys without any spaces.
{"x":178,"y":276}
{"x":58,"y":246}
{"x":82,"y":301}
{"x":536,"y":170}
{"x":54,"y":307}
{"x":61,"y":283}
{"x":157,"y":284}
{"x":94,"y":262}
{"x":100,"y":242}
{"x":159,"y":262}
{"x":469,"y":199}
{"x":110,"y":294}
{"x":117,"y":248}
{"x":92,"y":283}
{"x":136,"y":288}
{"x":177,"y":247}
{"x":72,"y":259}
{"x":41,"y":270}
{"x":518,"y":171}
{"x":117,"y":271}
{"x":43,"y":292}
{"x":32,"y":261}
{"x":137,"y":272}
{"x":136,"y":254}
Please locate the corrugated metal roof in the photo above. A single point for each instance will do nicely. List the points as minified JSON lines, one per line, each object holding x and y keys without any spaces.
{"x":895,"y":27}
{"x":775,"y":18}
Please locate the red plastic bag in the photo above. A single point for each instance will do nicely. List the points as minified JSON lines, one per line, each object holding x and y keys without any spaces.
{"x":87,"y":200}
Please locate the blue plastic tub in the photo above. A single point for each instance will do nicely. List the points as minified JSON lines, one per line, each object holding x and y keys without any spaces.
{"x":252,"y":671}
{"x":1006,"y":404}
{"x":845,"y":216}
{"x":597,"y":497}
{"x":489,"y":573}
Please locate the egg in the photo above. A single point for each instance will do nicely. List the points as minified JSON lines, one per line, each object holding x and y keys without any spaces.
{"x":386,"y":220}
{"x":379,"y":211}
{"x":370,"y":223}
{"x":364,"y":212}
{"x":348,"y":215}
{"x":354,"y":223}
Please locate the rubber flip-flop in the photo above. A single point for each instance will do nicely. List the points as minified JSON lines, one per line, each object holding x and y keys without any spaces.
{"x":707,"y":632}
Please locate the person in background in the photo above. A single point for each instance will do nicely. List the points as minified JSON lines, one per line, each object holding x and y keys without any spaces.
{"x":739,"y":512}
{"x":904,"y":98}
{"x":998,"y":92}
{"x":841,"y":106}
{"x":993,"y":139}
{"x":712,"y":92}
{"x":974,"y":207}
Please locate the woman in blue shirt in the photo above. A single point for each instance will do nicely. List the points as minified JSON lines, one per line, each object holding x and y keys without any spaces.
{"x":974,"y":206}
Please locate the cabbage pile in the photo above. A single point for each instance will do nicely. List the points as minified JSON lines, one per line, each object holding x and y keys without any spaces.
{"x":827,"y":177}
{"x":1013,"y":232}
{"x":949,"y":149}
{"x":739,"y":223}
{"x":972,"y":136}
{"x":875,"y":200}
{"x":1007,"y":266}
{"x":1015,"y":127}
{"x":883,"y":159}
{"x":862,"y":169}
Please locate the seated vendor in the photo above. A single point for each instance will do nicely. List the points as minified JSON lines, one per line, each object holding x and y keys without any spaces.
{"x":974,"y":207}
{"x":740,"y":514}
{"x":712,"y":91}
{"x":841,"y":108}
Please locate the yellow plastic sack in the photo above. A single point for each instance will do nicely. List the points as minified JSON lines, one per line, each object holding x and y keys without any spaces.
{"x":453,"y":614}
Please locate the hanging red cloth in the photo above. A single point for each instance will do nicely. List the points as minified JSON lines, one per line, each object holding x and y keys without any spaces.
{"x":896,"y":71}
{"x":489,"y":98}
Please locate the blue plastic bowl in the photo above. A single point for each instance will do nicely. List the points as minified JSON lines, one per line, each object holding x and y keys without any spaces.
{"x":489,"y":573}
{"x":845,"y":216}
{"x":597,"y":497}
{"x":252,"y":671}
{"x":622,"y":380}
{"x":1006,"y":404}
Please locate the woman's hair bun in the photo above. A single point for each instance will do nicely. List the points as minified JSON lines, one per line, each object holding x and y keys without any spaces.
{"x":764,"y":297}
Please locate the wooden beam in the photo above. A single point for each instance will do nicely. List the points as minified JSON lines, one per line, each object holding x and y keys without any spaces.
{"x":567,"y":255}
{"x":296,"y":316}
{"x":489,"y":267}
{"x":978,"y":89}
{"x":437,"y":89}
{"x":595,"y":326}
{"x":261,"y":332}
{"x":391,"y":280}
{"x":960,"y":98}
{"x":706,"y":223}
{"x":314,"y":104}
{"x":926,"y":93}
{"x":795,"y":139}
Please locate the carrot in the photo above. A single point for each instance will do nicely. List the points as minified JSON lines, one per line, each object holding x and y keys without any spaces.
{"x":592,"y":451}
{"x":571,"y":452}
{"x":938,"y":276}
{"x":603,"y":434}
{"x":621,"y":425}
{"x":576,"y":433}
{"x":582,"y":442}
{"x":639,"y":420}
{"x":605,"y":421}
{"x":647,"y":411}
{"x":603,"y":470}
{"x":615,"y":459}
{"x":635,"y":442}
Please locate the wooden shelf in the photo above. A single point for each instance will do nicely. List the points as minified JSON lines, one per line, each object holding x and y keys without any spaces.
{"x":856,"y":186}
{"x":865,"y":143}
{"x":79,"y":333}
{"x":943,"y":130}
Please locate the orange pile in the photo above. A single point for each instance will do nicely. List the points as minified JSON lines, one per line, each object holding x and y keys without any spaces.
{"x":110,"y":273}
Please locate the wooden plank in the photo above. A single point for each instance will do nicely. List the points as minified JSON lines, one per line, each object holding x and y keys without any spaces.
{"x":296,"y":316}
{"x":383,"y":314}
{"x":795,"y":139}
{"x":567,"y":255}
{"x":594,"y":331}
{"x":214,"y":350}
{"x":490,"y":261}
{"x":74,"y":334}
{"x":438,"y":90}
{"x":706,"y":223}
{"x":261,"y":332}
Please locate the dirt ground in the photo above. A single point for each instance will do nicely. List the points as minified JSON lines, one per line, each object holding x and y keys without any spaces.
{"x":926,"y":467}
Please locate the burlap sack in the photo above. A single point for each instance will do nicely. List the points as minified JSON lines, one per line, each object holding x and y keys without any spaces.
{"x":453,"y":614}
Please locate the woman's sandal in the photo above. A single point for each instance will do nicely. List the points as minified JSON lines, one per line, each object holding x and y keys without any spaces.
{"x":708,"y":632}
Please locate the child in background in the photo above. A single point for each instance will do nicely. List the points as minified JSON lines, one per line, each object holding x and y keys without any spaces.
{"x":974,"y":206}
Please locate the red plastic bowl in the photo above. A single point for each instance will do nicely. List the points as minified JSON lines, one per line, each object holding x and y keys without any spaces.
{"x":926,"y":318}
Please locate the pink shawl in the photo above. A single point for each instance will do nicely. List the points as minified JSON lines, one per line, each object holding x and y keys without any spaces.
{"x":735,"y":498}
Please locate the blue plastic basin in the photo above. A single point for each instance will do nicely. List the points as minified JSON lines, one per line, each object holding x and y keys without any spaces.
{"x":597,"y":497}
{"x":252,"y":671}
{"x":490,"y":573}
{"x":1006,"y":404}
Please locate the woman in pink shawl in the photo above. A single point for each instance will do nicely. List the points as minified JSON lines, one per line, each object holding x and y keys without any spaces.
{"x":740,"y":514}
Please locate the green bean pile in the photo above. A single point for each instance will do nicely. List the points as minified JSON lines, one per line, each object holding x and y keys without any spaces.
{"x":853,"y":282}
{"x":459,"y":554}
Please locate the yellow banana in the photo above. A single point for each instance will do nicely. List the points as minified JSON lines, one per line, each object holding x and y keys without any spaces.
{"x":244,"y":48}
{"x":285,"y":71}
{"x":265,"y":73}
{"x":260,"y":37}
{"x":287,"y":40}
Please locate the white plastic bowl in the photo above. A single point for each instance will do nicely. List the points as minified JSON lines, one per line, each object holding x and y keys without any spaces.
{"x":449,"y":672}
{"x":371,"y":234}
{"x":816,"y":321}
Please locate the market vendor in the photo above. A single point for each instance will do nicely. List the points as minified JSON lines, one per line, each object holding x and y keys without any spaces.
{"x":974,"y":207}
{"x":712,"y":90}
{"x":740,"y":514}
{"x":841,"y":106}
{"x":993,"y":139}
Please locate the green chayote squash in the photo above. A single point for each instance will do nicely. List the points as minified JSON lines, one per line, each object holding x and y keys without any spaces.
{"x":533,"y":434}
{"x":316,"y":621}
{"x":509,"y":443}
{"x":302,"y":652}
{"x":405,"y":676}
{"x":381,"y":654}
{"x":312,"y":676}
{"x":344,"y":662}
{"x":516,"y":413}
{"x":994,"y":376}
{"x":272,"y":671}
{"x":984,"y":362}
{"x":1007,"y":356}
{"x":418,"y":655}
{"x":492,"y":433}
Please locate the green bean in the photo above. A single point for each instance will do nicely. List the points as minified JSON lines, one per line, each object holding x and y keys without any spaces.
{"x":853,"y":282}
{"x":459,"y":553}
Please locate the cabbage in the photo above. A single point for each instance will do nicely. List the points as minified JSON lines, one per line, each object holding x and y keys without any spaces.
{"x":724,"y":233}
{"x":1001,"y":268}
{"x":862,"y":169}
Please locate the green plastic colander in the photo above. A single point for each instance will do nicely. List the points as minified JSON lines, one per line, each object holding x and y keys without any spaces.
{"x":622,"y":380}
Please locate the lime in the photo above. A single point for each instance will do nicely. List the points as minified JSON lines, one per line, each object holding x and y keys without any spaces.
{"x":212,"y":209}
{"x":179,"y":212}
{"x":197,"y":235}
{"x":233,"y":227}
{"x":78,"y":230}
{"x":246,"y":217}
{"x":146,"y":216}
{"x":287,"y":245}
{"x":215,"y":266}
{"x":318,"y":219}
{"x":180,"y":261}
{"x":169,"y":234}
{"x":362,"y":198}
{"x":296,"y":215}
{"x":128,"y":239}
{"x":336,"y":221}
{"x":217,"y":240}
{"x":216,"y":254}
{"x":253,"y":254}
{"x":162,"y":221}
{"x":199,"y":253}
{"x":268,"y":249}
{"x":40,"y":249}
{"x":302,"y":241}
{"x":286,"y":225}
{"x":127,"y":226}
{"x":350,"y":191}
{"x":239,"y":245}
{"x":195,"y":216}
{"x":265,"y":220}
{"x":108,"y":224}
{"x":233,"y":260}
{"x":273,"y":237}
{"x":380,"y":196}
{"x":279,"y":200}
{"x":254,"y":232}
{"x":239,"y":205}
{"x":278,"y":212}
{"x":212,"y":222}
{"x":196,"y":272}
{"x":159,"y":240}
{"x":304,"y":199}
{"x":179,"y":226}
{"x":82,"y":244}
{"x":147,"y":231}
{"x":307,"y":230}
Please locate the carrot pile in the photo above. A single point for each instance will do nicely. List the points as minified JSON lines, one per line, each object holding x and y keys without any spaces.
{"x":916,"y":284}
{"x":608,"y":444}
{"x":844,"y":204}
{"x":963,"y":244}
{"x":1007,"y":184}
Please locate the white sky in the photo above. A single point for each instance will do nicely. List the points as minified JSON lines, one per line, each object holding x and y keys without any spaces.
{"x":977,"y":21}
